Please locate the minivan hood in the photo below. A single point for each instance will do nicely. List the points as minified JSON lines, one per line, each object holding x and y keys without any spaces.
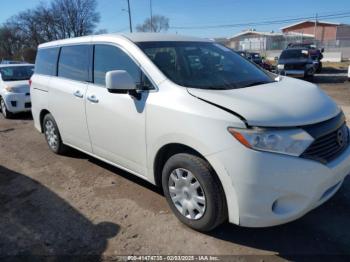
{"x":19,"y":86}
{"x":289,"y":102}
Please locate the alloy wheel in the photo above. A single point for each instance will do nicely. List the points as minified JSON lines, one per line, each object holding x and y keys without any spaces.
{"x":51,"y":134}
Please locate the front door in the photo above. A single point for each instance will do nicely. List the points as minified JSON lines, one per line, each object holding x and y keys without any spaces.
{"x":116,"y":122}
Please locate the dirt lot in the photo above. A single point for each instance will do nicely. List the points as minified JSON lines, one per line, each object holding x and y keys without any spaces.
{"x":74,"y":204}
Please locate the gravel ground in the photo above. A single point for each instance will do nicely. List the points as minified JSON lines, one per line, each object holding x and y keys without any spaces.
{"x":76,"y":205}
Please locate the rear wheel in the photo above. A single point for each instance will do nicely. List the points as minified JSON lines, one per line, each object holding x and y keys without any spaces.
{"x":194,"y":192}
{"x":4,"y":111}
{"x":52,"y":135}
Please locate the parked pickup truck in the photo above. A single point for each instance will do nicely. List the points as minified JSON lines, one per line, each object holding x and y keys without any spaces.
{"x":315,"y":53}
{"x":296,"y":62}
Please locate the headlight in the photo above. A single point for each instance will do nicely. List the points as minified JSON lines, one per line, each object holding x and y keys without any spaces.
{"x":8,"y":88}
{"x":284,"y":141}
{"x":281,"y":67}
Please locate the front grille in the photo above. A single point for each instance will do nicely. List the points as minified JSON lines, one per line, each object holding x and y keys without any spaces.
{"x":294,"y":66}
{"x":28,"y":105}
{"x":327,"y":147}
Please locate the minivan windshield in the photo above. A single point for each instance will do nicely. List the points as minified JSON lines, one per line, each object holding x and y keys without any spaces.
{"x":16,"y":73}
{"x":204,"y":65}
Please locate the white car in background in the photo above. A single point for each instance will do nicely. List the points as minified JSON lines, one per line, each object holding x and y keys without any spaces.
{"x":14,"y":88}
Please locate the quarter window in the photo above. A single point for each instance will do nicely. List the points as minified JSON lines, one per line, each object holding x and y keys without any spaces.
{"x":108,"y":58}
{"x":74,"y":62}
{"x":46,"y":61}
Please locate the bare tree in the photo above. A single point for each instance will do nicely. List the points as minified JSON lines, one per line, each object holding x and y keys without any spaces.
{"x":26,"y":28}
{"x":75,"y":18}
{"x":159,"y":23}
{"x":61,"y":19}
{"x":22,"y":33}
{"x":8,"y":43}
{"x":101,"y":32}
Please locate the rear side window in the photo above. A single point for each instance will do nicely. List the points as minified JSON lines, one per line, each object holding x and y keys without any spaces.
{"x":74,"y":62}
{"x":108,"y":58}
{"x":46,"y":61}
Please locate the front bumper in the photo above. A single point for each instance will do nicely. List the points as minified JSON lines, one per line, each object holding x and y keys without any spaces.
{"x":271,"y":189}
{"x":17,"y":102}
{"x":295,"y":73}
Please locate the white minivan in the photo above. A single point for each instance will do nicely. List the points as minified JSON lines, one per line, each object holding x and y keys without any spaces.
{"x":224,"y":139}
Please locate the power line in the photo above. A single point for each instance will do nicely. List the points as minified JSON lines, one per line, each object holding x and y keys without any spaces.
{"x":268,"y":22}
{"x":259,"y":23}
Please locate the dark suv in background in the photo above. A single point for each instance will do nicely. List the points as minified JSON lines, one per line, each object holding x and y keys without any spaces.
{"x":315,"y":53}
{"x":296,"y":62}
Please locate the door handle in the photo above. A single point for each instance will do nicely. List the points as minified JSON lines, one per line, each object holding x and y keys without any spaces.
{"x":92,"y":99}
{"x":78,"y":94}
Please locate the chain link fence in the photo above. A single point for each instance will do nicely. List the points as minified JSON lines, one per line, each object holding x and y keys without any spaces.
{"x":274,"y":44}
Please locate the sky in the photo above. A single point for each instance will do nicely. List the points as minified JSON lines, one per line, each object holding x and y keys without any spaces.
{"x":194,"y":13}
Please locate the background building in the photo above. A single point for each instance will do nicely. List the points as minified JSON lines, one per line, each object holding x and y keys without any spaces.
{"x":327,"y":34}
{"x":333,"y":37}
{"x":260,"y":41}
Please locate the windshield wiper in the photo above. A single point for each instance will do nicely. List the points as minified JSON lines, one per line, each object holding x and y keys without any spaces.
{"x":16,"y":79}
{"x":257,"y":83}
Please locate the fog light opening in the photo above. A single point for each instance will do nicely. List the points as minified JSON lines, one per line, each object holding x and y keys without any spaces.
{"x":288,"y":204}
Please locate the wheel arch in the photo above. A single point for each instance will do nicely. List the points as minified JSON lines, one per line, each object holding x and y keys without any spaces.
{"x":42,"y":114}
{"x":164,"y":153}
{"x":230,"y":196}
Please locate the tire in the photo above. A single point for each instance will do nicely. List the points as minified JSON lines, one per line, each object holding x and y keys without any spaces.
{"x":309,"y":78}
{"x":7,"y":114}
{"x":189,"y":169}
{"x":52,"y":135}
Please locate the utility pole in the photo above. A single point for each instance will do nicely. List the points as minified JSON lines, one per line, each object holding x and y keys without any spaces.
{"x":150,"y":8}
{"x":315,"y":29}
{"x":129,"y":11}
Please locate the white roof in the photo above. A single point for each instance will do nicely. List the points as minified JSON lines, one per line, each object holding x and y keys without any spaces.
{"x":292,"y":34}
{"x":134,"y":37}
{"x":12,"y":65}
{"x":309,"y":21}
{"x":256,"y":33}
{"x":149,"y":37}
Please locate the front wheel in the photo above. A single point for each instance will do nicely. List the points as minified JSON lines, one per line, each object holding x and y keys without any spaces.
{"x":52,"y":135}
{"x":193,"y":192}
{"x":4,"y":111}
{"x":319,"y":68}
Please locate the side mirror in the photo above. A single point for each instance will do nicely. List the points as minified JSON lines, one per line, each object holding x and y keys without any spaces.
{"x":322,"y":50}
{"x":119,"y":81}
